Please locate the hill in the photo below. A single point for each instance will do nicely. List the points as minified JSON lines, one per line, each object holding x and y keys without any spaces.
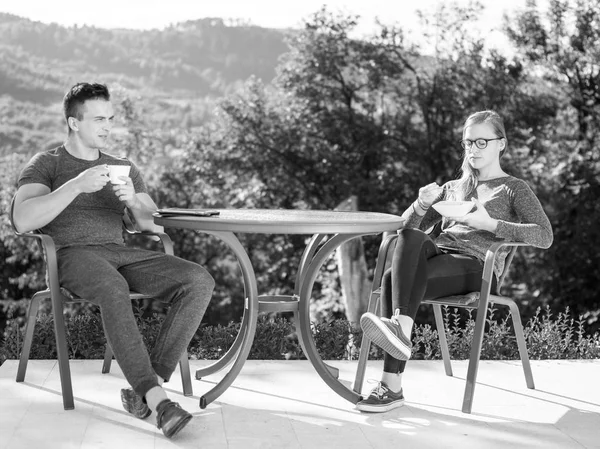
{"x":202,"y":56}
{"x":182,"y":68}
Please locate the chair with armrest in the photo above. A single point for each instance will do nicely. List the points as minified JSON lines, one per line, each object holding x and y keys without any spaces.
{"x":59,"y":296}
{"x":478,"y":300}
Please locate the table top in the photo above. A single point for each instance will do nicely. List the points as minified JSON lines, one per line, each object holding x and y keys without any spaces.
{"x":286,"y":221}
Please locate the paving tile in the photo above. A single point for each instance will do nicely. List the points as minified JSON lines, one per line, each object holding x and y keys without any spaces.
{"x":314,"y":432}
{"x":285,"y":404}
{"x":113,"y":433}
{"x":62,"y":430}
{"x":582,"y":426}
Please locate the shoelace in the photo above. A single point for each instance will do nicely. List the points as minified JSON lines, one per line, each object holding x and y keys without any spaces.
{"x":380,"y":390}
{"x":396,"y":317}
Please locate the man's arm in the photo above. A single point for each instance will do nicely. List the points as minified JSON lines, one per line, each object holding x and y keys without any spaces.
{"x":36,"y":205}
{"x":142,"y":208}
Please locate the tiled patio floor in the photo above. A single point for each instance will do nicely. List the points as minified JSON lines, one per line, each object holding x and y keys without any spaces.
{"x":284,"y":404}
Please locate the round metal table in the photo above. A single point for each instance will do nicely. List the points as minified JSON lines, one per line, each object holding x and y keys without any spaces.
{"x":329,"y":230}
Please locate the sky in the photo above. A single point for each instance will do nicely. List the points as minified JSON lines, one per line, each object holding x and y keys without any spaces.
{"x":146,"y":14}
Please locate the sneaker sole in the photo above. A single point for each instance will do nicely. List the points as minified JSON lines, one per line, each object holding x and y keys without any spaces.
{"x":379,"y":334}
{"x":372,"y":408}
{"x":177,"y":427}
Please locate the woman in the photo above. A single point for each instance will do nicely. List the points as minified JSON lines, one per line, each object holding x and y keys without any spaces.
{"x":504,"y":208}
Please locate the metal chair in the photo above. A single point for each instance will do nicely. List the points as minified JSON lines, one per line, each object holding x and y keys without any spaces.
{"x":474,"y":300}
{"x":59,"y":296}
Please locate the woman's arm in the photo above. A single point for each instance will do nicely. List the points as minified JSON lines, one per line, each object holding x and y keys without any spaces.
{"x":535,"y":228}
{"x":420,"y":214}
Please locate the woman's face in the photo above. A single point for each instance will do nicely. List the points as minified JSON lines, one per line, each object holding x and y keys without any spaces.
{"x":477,"y":157}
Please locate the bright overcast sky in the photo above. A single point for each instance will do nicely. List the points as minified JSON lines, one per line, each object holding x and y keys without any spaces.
{"x":144,"y":14}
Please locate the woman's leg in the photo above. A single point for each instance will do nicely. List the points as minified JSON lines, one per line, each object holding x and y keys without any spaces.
{"x":409,"y":271}
{"x":402,"y":291}
{"x":445,"y":275}
{"x":404,"y":288}
{"x":419,"y":270}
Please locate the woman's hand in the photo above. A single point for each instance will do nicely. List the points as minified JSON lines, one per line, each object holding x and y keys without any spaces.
{"x":478,"y":219}
{"x":428,"y":194}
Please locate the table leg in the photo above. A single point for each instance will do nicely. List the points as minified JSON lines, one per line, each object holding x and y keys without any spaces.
{"x":310,"y":349}
{"x":307,"y":256}
{"x":250,"y":311}
{"x":228,"y":357}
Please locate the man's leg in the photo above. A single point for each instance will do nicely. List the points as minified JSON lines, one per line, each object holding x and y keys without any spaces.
{"x":186,"y":286}
{"x":90,"y":272}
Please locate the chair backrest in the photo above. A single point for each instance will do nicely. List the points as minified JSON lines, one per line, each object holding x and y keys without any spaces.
{"x":10,"y":215}
{"x":507,"y":262}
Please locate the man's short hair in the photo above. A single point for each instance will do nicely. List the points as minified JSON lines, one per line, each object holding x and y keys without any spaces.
{"x":79,"y":94}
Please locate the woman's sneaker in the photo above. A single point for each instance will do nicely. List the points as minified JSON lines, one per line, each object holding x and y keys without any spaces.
{"x":381,"y":399}
{"x":387,"y":334}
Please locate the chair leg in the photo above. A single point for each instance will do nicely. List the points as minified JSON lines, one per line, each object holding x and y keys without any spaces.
{"x":441,"y":328}
{"x":365,"y":347}
{"x":34,"y":306}
{"x":186,"y":380}
{"x":518,"y":326}
{"x":475,"y":354}
{"x":63,"y":356}
{"x":108,"y":356}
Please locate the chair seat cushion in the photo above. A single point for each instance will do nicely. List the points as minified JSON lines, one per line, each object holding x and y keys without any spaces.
{"x":70,"y":296}
{"x":469,"y":299}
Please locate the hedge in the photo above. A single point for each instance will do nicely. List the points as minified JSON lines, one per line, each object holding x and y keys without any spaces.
{"x":547,"y":336}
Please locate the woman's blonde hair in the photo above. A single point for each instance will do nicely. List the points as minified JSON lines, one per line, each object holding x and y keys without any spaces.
{"x":467,"y":182}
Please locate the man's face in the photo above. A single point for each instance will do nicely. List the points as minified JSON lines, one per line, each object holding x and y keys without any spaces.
{"x":96,"y":124}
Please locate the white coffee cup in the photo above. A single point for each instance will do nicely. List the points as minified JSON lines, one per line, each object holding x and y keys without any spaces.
{"x":115,"y":171}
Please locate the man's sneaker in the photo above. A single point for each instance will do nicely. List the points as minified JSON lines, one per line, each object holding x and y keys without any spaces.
{"x":134,"y":404}
{"x":381,"y":399}
{"x":387,"y":334}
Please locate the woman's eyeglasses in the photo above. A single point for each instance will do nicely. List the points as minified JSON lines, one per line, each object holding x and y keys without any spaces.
{"x":482,"y":144}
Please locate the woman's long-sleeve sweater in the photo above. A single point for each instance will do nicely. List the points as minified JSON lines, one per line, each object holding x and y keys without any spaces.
{"x":509,"y":200}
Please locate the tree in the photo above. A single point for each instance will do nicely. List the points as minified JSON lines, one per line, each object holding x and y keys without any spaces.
{"x":564,"y":50}
{"x":371,"y":118}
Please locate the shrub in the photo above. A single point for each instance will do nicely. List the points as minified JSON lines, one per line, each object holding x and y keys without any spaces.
{"x":547,"y":337}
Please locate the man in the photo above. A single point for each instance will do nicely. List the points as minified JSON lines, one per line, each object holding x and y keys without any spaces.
{"x":66,"y":193}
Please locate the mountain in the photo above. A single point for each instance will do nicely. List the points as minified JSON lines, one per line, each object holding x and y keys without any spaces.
{"x":176,"y":71}
{"x":202,"y":57}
